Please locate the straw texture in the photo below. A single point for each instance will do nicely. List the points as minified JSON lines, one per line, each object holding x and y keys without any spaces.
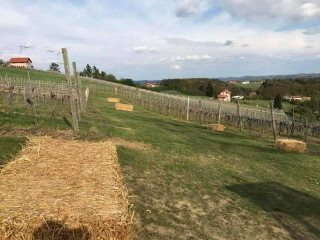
{"x":123,"y":107}
{"x":216,"y":127}
{"x":291,"y":145}
{"x":113,"y":100}
{"x":59,"y":189}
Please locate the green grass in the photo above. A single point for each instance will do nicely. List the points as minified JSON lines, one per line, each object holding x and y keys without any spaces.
{"x":197,"y":184}
{"x":9,"y":147}
{"x":34,"y":74}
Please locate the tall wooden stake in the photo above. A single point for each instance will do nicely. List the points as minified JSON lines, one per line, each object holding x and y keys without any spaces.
{"x":219,"y":112}
{"x":70,"y":92}
{"x":239,"y":116}
{"x":79,"y":86}
{"x":273,"y":122}
{"x":188,"y":109}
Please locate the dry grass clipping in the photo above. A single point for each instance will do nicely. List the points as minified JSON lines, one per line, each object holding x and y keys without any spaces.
{"x":113,"y":100}
{"x":59,"y":189}
{"x":123,"y":107}
{"x":290,"y":145}
{"x":216,"y":127}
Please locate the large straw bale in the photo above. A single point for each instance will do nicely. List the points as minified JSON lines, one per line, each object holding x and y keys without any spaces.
{"x":123,"y":107}
{"x":291,"y":145}
{"x":113,"y":100}
{"x":59,"y":189}
{"x":216,"y":127}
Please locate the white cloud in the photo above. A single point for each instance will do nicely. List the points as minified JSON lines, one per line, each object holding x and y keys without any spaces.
{"x":176,"y":66}
{"x":288,"y":10}
{"x":312,"y":31}
{"x":188,"y":8}
{"x":188,"y":58}
{"x":143,"y":49}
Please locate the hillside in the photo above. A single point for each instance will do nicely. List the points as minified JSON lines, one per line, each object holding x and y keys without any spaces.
{"x":186,"y":182}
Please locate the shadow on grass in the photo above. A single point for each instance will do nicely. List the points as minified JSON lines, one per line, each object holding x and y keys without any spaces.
{"x":57,"y":231}
{"x":297,"y":212}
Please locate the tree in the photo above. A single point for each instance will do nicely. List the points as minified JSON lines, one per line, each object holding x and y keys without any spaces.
{"x":103,"y":75}
{"x":313,"y":104}
{"x":1,"y":62}
{"x":209,"y":90}
{"x":111,"y":78}
{"x":126,"y":81}
{"x":95,"y":72}
{"x":54,"y":67}
{"x":87,"y":71}
{"x":278,"y":102}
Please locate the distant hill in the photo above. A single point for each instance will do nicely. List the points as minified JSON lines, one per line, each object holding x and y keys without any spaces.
{"x":257,"y":78}
{"x":143,"y":82}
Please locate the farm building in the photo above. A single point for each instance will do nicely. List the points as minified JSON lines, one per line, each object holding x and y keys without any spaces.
{"x":225,"y":96}
{"x":20,"y":62}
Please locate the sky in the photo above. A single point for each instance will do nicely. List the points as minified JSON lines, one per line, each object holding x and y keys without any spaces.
{"x":157,"y":39}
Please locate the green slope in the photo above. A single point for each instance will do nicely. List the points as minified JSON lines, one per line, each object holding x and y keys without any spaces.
{"x":186,"y":182}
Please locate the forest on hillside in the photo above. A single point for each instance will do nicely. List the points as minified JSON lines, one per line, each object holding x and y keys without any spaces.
{"x":202,"y":87}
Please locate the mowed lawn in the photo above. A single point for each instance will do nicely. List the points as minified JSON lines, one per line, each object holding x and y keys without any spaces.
{"x":191,"y":183}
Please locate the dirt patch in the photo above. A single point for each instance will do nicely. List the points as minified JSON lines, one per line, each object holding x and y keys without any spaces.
{"x":131,"y":144}
{"x":163,"y":231}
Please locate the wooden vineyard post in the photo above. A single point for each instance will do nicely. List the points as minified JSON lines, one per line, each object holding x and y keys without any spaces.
{"x":77,"y":100}
{"x":79,"y":86}
{"x":239,"y":116}
{"x":72,"y":104}
{"x":31,"y":102}
{"x":188,"y":109}
{"x":273,"y":122}
{"x":306,"y":130}
{"x":219,"y":112}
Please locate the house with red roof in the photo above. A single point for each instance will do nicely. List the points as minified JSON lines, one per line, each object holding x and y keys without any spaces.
{"x":225,"y":96}
{"x":20,"y":62}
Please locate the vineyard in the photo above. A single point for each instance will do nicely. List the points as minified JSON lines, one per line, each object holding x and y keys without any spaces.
{"x":17,"y":90}
{"x":26,"y":93}
{"x":212,"y":111}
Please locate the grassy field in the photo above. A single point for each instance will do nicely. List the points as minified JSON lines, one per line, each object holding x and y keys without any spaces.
{"x":186,"y":182}
{"x":34,"y":74}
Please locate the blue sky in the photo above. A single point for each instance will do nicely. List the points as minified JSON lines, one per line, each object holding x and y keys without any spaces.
{"x":154,"y":39}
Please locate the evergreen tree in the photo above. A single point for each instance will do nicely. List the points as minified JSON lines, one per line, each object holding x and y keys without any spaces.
{"x":95,"y":72}
{"x":54,"y":67}
{"x":278,"y":102}
{"x":103,"y":75}
{"x":87,"y":71}
{"x":209,"y":90}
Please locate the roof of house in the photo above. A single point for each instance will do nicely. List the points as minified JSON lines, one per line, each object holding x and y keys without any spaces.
{"x":19,"y":60}
{"x":225,"y":91}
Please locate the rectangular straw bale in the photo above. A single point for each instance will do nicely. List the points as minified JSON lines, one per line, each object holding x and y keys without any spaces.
{"x":113,"y":100}
{"x":291,"y":145}
{"x":65,"y":189}
{"x":216,"y":127}
{"x":123,"y":107}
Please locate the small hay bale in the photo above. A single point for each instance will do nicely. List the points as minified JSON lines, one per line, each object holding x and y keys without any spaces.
{"x":291,"y":145}
{"x":113,"y":100}
{"x":216,"y":127}
{"x":59,"y":189}
{"x":123,"y":107}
